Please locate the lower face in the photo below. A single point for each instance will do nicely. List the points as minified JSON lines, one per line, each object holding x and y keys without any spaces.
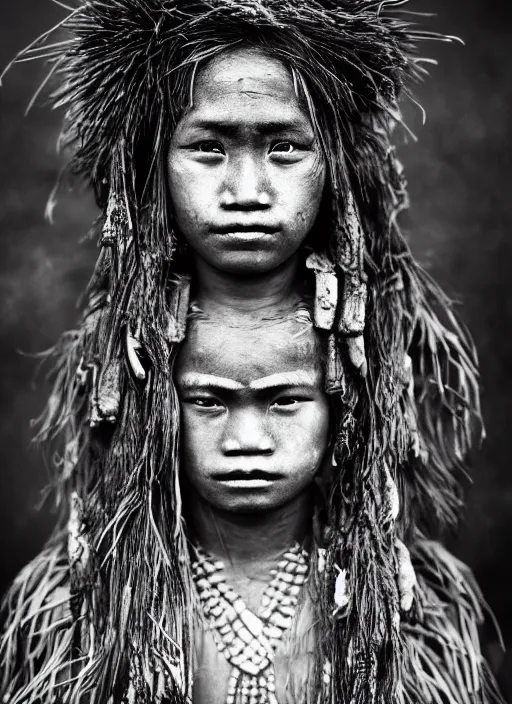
{"x":255,"y":417}
{"x":246,"y":172}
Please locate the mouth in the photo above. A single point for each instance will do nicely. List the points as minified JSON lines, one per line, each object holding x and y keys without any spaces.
{"x":248,"y":479}
{"x":239,"y":230}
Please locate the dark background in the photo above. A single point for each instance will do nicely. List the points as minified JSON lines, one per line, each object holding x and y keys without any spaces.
{"x":458,"y":227}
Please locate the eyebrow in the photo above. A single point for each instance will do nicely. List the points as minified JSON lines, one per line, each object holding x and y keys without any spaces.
{"x":296,"y":378}
{"x":263,"y":128}
{"x":205,"y":381}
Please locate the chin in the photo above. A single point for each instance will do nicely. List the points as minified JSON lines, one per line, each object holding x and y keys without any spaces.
{"x":258,"y":503}
{"x":251,"y":505}
{"x":248,"y":262}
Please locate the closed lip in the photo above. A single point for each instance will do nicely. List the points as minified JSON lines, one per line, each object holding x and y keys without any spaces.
{"x":237,"y":228}
{"x":247,"y":475}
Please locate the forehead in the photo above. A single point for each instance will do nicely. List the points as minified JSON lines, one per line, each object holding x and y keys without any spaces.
{"x":246,"y":85}
{"x":247,"y":354}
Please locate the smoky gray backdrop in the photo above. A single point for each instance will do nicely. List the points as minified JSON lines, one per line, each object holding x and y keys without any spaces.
{"x":459,"y":228}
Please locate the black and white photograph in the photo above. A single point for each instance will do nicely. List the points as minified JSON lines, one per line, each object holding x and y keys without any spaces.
{"x":255,"y":352}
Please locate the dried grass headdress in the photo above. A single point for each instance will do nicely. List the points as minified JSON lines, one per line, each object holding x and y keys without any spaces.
{"x":402,"y":367}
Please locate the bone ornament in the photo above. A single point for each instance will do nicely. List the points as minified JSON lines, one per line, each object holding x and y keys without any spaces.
{"x":341,"y":589}
{"x":335,"y":372}
{"x":108,"y":395}
{"x":406,"y":576}
{"x":392,"y":498}
{"x":115,"y":218}
{"x":357,"y":354}
{"x":132,"y":347}
{"x":353,"y":306}
{"x":117,"y":231}
{"x":178,"y":310}
{"x":352,"y":315}
{"x":410,"y":407}
{"x":78,"y":548}
{"x":326,"y":290}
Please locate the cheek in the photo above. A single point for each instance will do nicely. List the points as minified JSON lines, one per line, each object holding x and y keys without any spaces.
{"x":304,"y":441}
{"x":184,"y":190}
{"x":197,"y":443}
{"x":304,"y":195}
{"x":312,"y":189}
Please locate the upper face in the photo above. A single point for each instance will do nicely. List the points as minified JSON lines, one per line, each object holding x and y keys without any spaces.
{"x":255,"y":416}
{"x":246,"y":173}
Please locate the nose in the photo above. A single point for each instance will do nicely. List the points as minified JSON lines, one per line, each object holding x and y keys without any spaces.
{"x":246,"y":185}
{"x":247,"y":432}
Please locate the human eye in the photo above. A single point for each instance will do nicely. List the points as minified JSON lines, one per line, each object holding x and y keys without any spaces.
{"x":286,"y":150}
{"x":205,"y":403}
{"x":208,"y":146}
{"x":283,"y":147}
{"x":289,"y":402}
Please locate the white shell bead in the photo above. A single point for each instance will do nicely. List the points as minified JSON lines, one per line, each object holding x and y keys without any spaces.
{"x":235,"y":652}
{"x":286,"y":577}
{"x":239,"y":606}
{"x":245,"y":635}
{"x":221,"y":622}
{"x":282,"y":622}
{"x":289,"y":600}
{"x":252,"y":622}
{"x":272,"y":632}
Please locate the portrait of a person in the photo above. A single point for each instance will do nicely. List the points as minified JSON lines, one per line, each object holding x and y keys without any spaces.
{"x":259,"y":425}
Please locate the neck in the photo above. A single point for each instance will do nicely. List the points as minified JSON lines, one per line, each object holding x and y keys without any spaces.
{"x":279,"y":288}
{"x":251,"y":539}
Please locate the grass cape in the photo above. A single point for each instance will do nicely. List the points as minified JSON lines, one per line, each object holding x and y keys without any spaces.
{"x":124,"y":70}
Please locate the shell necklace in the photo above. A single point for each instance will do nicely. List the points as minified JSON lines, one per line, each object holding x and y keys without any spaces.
{"x":249,"y":641}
